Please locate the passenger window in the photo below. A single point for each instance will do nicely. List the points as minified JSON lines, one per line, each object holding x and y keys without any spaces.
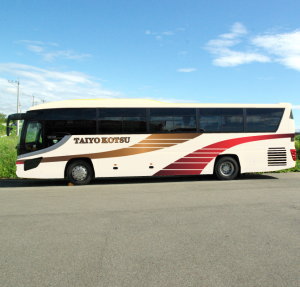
{"x":65,"y":114}
{"x":56,"y":130}
{"x":122,"y":120}
{"x":263,"y":119}
{"x":221,"y":119}
{"x":173,"y":120}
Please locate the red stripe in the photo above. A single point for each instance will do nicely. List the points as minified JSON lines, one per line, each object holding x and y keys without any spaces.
{"x":20,"y":162}
{"x":177,"y":172}
{"x":186,"y":166}
{"x":210,"y":153}
{"x":211,"y":150}
{"x":194,"y":159}
{"x":203,"y":154}
{"x":233,"y":142}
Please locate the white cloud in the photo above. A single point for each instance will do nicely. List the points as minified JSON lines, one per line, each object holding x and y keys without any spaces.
{"x":226,"y":56}
{"x":35,"y":48}
{"x":65,"y":54}
{"x":285,"y":47}
{"x":39,"y":43}
{"x":186,"y":70}
{"x":49,"y":51}
{"x":161,"y":35}
{"x":168,"y":33}
{"x":230,"y":58}
{"x":49,"y":85}
{"x":237,"y":30}
{"x":296,"y":107}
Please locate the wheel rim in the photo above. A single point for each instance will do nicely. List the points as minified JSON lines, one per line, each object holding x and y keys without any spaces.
{"x":79,"y":172}
{"x":227,"y":168}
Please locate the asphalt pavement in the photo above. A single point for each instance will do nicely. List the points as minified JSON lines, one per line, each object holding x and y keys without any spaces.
{"x":151,"y":232}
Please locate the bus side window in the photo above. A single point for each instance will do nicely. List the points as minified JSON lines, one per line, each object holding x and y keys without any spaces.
{"x":173,"y":120}
{"x":263,"y":119}
{"x":122,"y":120}
{"x":221,"y":119}
{"x":57,"y":129}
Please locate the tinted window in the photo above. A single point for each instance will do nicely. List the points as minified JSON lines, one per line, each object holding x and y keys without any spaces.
{"x":55,"y":130}
{"x":33,"y":133}
{"x":122,"y":120}
{"x":221,"y":120}
{"x":263,"y":120}
{"x":64,"y":114}
{"x":173,"y":120}
{"x":33,"y":138}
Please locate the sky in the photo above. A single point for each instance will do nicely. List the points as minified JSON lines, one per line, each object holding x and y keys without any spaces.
{"x":197,"y":51}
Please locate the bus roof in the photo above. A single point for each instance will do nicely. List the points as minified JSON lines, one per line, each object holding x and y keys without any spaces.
{"x":142,"y":103}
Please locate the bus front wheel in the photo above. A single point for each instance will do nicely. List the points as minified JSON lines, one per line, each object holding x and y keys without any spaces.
{"x":226,"y":168}
{"x":79,"y":172}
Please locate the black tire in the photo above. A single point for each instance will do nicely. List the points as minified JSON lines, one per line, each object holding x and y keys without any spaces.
{"x":79,"y":172}
{"x":226,"y":168}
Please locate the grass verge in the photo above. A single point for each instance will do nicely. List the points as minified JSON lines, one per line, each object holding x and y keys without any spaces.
{"x":8,"y":156}
{"x":293,"y":169}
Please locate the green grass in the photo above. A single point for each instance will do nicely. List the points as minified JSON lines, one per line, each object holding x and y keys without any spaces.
{"x":293,"y":169}
{"x":297,"y":146}
{"x":2,"y":129}
{"x":8,"y":156}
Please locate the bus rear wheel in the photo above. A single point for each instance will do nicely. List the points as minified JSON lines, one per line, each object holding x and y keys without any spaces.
{"x":79,"y":172}
{"x":226,"y":168}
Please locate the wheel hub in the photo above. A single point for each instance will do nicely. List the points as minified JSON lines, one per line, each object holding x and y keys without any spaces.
{"x":79,"y":173}
{"x":227,"y":168}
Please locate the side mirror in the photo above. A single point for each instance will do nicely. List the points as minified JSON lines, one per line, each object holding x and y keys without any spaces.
{"x":8,"y":130}
{"x":13,"y":117}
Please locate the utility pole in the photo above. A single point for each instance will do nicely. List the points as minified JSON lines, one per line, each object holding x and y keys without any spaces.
{"x":17,"y":84}
{"x":32,"y":100}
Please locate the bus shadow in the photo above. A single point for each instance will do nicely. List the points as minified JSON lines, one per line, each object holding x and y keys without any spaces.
{"x":126,"y":180}
{"x":137,"y":180}
{"x":31,"y":182}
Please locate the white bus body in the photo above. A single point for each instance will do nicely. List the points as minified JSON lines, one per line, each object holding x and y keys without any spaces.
{"x":165,"y":140}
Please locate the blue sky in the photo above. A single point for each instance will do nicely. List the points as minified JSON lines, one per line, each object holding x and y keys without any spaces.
{"x":210,"y":51}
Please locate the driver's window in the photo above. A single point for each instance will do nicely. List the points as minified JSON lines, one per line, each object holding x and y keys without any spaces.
{"x":33,"y":139}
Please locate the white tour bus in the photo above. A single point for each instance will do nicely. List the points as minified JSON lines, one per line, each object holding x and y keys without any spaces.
{"x":83,"y":139}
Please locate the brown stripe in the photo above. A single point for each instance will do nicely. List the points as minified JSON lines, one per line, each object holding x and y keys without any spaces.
{"x":61,"y":158}
{"x":163,"y":141}
{"x":106,"y":154}
{"x":153,"y":145}
{"x":122,"y":152}
{"x":174,"y":136}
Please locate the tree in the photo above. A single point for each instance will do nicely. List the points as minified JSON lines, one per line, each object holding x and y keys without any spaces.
{"x":2,"y":118}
